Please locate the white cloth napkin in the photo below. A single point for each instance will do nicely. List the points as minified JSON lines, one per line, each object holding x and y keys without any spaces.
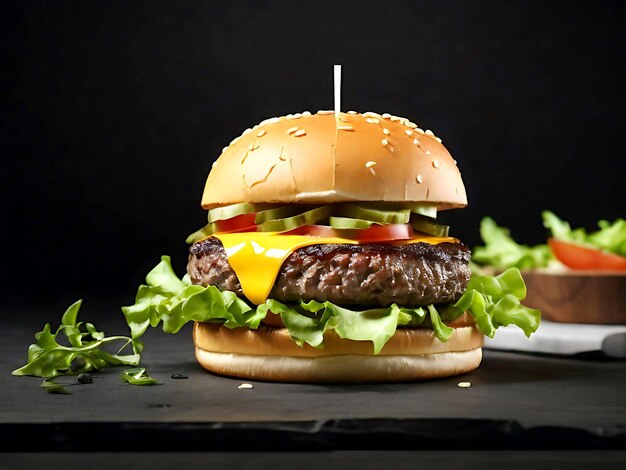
{"x":563,"y":338}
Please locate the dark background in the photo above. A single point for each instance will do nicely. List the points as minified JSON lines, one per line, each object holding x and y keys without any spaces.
{"x":112,"y":112}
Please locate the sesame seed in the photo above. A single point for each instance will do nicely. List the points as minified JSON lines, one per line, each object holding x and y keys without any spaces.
{"x":454,"y":161}
{"x":427,"y":152}
{"x":372,"y":120}
{"x":416,"y":142}
{"x":245,"y":386}
{"x":321,"y":111}
{"x":420,"y":130}
{"x":224,"y":149}
{"x":297,"y":115}
{"x":386,"y":115}
{"x":261,"y":133}
{"x":396,"y":118}
{"x":213,"y":164}
{"x":409,"y":132}
{"x":300,"y":133}
{"x":435,"y":163}
{"x":386,"y":131}
{"x":371,"y":114}
{"x":385,"y":142}
{"x":419,"y":179}
{"x":269,"y":121}
{"x":291,"y":130}
{"x":410,"y":124}
{"x":234,"y":141}
{"x":370,"y":164}
{"x":464,"y":384}
{"x":289,"y":116}
{"x":352,"y":112}
{"x":438,"y":139}
{"x":429,"y":132}
{"x":247,"y":131}
{"x":306,"y":113}
{"x":345,"y":128}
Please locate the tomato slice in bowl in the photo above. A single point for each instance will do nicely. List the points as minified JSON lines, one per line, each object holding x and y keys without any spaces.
{"x":584,"y":258}
{"x":239,"y":223}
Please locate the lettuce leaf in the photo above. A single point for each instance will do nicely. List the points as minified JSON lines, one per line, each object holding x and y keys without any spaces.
{"x":611,"y":236}
{"x":172,"y":302}
{"x":502,"y":252}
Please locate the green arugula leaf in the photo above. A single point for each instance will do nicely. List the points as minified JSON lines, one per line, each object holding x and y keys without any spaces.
{"x":48,"y":358}
{"x":138,"y":376}
{"x":52,"y":387}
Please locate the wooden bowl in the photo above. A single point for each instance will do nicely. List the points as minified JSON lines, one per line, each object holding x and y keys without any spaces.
{"x":577,"y":296}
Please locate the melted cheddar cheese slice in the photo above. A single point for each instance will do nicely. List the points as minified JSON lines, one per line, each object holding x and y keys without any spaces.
{"x":256,"y":257}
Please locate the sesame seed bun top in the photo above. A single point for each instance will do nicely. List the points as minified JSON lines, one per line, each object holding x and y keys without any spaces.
{"x":318,"y":158}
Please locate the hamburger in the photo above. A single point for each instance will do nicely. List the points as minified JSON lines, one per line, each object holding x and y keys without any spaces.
{"x":323,"y":260}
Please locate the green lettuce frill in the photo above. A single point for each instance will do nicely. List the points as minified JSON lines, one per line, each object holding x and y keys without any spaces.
{"x":166,"y":299}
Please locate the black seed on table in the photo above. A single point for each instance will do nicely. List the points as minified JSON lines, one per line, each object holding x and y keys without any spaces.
{"x":85,"y":378}
{"x":179,"y":376}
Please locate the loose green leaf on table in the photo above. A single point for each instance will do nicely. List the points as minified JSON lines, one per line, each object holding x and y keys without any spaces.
{"x":51,"y":386}
{"x":138,"y":376}
{"x":48,"y":357}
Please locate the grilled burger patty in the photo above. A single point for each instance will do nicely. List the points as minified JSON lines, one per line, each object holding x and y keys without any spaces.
{"x":412,"y":275}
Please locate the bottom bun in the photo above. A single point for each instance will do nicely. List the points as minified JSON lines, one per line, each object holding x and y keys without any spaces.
{"x":270,"y":354}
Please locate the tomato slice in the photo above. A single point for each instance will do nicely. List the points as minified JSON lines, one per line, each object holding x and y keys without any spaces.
{"x":582,"y":257}
{"x":315,"y":231}
{"x":239,"y":223}
{"x":374,"y":234}
{"x":385,"y":233}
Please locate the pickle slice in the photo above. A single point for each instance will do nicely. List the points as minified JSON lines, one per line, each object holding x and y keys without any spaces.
{"x":309,"y":217}
{"x":283,"y":212}
{"x":228,"y":212}
{"x":374,"y":213}
{"x":427,"y":210}
{"x":348,"y":223}
{"x":429,"y":226}
{"x":204,"y":232}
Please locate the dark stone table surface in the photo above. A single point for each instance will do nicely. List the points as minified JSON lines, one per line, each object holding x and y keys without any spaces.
{"x":515,"y":402}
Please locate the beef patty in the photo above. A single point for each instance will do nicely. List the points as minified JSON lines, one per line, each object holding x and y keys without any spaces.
{"x":412,"y":275}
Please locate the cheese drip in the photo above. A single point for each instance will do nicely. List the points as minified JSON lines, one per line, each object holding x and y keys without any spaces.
{"x":256,"y":257}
